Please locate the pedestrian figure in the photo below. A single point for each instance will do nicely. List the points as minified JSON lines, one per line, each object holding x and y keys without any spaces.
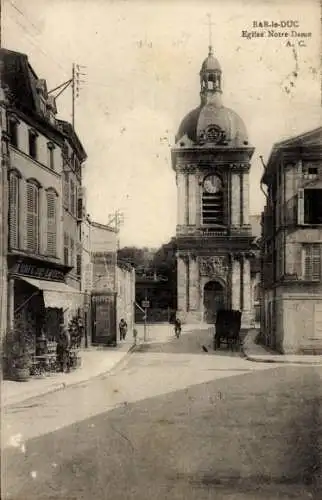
{"x":177,"y":327}
{"x":62,"y":349}
{"x":123,"y":329}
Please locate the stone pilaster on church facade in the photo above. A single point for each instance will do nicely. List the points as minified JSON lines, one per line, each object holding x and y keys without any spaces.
{"x":235,"y":199}
{"x":182,"y":283}
{"x":192,"y":206}
{"x":194,"y":283}
{"x":235,"y":283}
{"x":181,"y":198}
{"x":247,"y":311}
{"x":245,"y":200}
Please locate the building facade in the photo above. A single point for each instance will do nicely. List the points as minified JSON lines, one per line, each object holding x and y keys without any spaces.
{"x":38,"y":296}
{"x":3,"y":212}
{"x":111,"y":286}
{"x":211,"y":159}
{"x":291,"y":319}
{"x":73,"y":157}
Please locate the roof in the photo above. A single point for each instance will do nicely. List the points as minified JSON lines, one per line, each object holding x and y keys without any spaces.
{"x":209,"y":114}
{"x":70,"y":133}
{"x":23,"y":87}
{"x":21,"y":83}
{"x":307,"y":141}
{"x":211,"y":123}
{"x":210,"y":63}
{"x":105,"y":227}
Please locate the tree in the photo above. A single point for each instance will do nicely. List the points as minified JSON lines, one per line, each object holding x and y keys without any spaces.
{"x":132,"y":255}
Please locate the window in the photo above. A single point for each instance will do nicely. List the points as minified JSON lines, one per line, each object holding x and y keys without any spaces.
{"x":50,"y":156}
{"x":72,"y":252}
{"x":14,"y":210}
{"x":32,"y":217}
{"x":13,"y":132}
{"x":66,"y":190}
{"x":33,"y":144}
{"x":213,"y":201}
{"x":79,"y":204}
{"x":72,"y":207}
{"x":66,"y":249}
{"x":312,"y":262}
{"x":51,"y":223}
{"x":310,"y":171}
{"x":79,"y":265}
{"x":310,"y":206}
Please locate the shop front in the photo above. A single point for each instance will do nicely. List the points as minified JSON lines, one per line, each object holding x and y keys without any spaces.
{"x":39,"y":302}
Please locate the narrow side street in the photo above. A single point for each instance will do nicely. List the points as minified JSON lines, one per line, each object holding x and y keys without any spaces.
{"x":174,"y":422}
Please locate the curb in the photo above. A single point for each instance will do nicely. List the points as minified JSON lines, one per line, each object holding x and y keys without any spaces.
{"x":259,"y":359}
{"x":63,"y":385}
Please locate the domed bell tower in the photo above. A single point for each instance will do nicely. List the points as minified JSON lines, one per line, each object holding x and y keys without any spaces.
{"x":211,"y":159}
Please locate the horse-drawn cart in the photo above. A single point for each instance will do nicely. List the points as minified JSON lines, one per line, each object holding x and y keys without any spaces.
{"x":227,"y":328}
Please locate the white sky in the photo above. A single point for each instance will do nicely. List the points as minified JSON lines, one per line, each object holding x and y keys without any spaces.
{"x":136,"y":93}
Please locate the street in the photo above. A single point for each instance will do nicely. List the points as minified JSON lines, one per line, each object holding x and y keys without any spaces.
{"x":173,"y":422}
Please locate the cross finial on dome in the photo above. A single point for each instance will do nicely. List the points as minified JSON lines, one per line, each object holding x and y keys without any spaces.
{"x":210,"y":24}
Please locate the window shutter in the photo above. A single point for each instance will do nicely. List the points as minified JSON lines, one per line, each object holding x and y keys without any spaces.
{"x":300,"y":207}
{"x":316,"y":262}
{"x":79,"y":265}
{"x":51,"y":224}
{"x":312,"y":262}
{"x":32,"y":218}
{"x":13,"y":210}
{"x":66,"y":190}
{"x":72,"y":252}
{"x":66,"y":249}
{"x":72,"y":197}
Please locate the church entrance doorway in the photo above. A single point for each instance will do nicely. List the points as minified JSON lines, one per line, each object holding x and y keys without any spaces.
{"x":214,"y":299}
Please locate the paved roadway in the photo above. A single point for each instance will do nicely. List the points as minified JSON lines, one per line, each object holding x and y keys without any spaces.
{"x":174,"y":422}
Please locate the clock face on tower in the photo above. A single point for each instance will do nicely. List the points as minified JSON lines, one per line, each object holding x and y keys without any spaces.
{"x":212,"y":184}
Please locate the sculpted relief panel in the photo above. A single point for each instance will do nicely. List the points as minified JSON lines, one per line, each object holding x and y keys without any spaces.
{"x":213,"y":266}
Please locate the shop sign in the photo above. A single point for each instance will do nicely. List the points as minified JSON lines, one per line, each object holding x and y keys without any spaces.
{"x":37,"y":272}
{"x":101,"y":299}
{"x":104,"y":258}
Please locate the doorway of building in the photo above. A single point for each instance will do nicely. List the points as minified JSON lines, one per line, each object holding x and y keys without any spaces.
{"x":214,"y":299}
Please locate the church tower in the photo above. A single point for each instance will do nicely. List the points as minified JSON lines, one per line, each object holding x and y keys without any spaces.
{"x":211,"y":159}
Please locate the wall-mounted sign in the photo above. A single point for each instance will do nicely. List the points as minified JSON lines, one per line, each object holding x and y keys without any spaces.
{"x":37,"y":272}
{"x":104,"y":258}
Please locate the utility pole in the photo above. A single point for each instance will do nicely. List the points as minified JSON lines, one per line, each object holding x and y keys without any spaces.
{"x":145,"y":316}
{"x":73,"y":96}
{"x":75,"y":82}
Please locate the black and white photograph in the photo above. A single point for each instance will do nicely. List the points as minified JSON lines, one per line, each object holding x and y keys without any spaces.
{"x":161,"y":249}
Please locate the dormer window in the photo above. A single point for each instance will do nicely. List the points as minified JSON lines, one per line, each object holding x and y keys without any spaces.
{"x":50,"y":155}
{"x":310,"y":171}
{"x":33,"y":144}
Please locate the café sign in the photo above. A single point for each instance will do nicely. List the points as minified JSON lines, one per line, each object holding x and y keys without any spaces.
{"x":37,"y":272}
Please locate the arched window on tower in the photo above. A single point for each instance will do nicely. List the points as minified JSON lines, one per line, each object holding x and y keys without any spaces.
{"x":213,"y":201}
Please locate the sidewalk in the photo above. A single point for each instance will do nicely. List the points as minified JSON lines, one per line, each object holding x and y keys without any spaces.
{"x":95,"y":362}
{"x":262,"y":354}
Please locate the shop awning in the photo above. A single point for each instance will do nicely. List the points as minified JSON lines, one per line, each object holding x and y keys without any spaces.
{"x":56,"y":294}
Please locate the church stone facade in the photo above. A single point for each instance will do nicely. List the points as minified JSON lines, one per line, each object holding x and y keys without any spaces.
{"x":211,"y":159}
